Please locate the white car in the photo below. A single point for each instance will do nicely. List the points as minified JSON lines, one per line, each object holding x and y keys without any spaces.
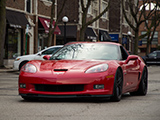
{"x":21,"y":60}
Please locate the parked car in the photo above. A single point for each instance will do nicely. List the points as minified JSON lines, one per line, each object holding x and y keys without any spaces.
{"x":84,"y":69}
{"x":21,"y":60}
{"x":152,"y":58}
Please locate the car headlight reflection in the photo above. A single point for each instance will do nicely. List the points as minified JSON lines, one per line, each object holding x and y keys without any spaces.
{"x":30,"y":68}
{"x":97,"y":68}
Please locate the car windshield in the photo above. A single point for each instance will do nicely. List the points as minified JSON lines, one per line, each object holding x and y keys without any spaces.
{"x":87,"y":51}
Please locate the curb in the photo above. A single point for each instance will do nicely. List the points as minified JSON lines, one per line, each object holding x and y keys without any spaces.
{"x":8,"y":71}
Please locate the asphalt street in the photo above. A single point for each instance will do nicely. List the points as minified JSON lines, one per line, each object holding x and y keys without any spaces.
{"x":13,"y":107}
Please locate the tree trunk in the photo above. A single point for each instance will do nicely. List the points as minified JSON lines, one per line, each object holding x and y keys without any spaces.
{"x":85,"y":23}
{"x":148,"y":45}
{"x":50,"y":38}
{"x":51,"y":22}
{"x":136,"y":43}
{"x":82,"y":34}
{"x":2,"y":29}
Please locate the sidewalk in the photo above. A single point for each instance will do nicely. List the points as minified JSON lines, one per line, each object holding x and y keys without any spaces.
{"x":9,"y":70}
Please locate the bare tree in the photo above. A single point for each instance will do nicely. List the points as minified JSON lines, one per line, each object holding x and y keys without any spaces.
{"x":51,"y":30}
{"x":154,"y":23}
{"x":2,"y":29}
{"x":140,"y":16}
{"x":85,"y":23}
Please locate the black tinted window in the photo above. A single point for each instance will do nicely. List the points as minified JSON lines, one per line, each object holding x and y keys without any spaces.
{"x":28,"y":6}
{"x":50,"y":51}
{"x":124,"y":54}
{"x":154,"y":54}
{"x":158,"y":54}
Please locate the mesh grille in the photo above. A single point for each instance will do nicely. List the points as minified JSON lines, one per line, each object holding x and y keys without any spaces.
{"x":59,"y":88}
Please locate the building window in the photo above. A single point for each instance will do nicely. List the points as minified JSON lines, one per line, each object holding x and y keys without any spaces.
{"x":104,"y":5}
{"x":149,"y":6}
{"x":124,"y":19}
{"x":28,"y":6}
{"x":89,"y":10}
{"x":154,"y":40}
{"x":144,"y":40}
{"x":13,"y":43}
{"x":95,"y":24}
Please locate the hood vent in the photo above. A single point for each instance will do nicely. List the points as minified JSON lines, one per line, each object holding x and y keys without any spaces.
{"x":60,"y":69}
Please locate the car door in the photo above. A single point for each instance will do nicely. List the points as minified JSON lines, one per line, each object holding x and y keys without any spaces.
{"x":151,"y":58}
{"x":130,"y":72}
{"x":158,"y":57}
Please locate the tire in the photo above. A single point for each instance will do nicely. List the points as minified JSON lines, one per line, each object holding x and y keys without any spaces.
{"x":118,"y":85}
{"x":143,"y":86}
{"x":21,"y":64}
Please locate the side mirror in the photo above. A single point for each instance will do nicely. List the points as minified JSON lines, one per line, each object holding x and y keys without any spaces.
{"x":46,"y":57}
{"x":131,"y":57}
{"x":39,"y":54}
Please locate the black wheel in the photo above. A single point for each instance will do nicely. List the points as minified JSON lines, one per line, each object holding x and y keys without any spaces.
{"x":21,"y":64}
{"x":143,"y":86}
{"x":118,"y":85}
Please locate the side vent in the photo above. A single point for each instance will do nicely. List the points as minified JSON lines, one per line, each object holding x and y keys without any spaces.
{"x":60,"y":69}
{"x":139,"y":76}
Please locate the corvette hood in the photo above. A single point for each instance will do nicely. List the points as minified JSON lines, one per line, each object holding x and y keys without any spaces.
{"x":65,"y":65}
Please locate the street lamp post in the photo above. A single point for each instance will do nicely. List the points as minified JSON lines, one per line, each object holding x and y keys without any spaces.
{"x":130,"y":40}
{"x":65,"y":20}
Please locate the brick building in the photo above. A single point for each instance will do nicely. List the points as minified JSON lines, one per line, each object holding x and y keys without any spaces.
{"x":98,"y":31}
{"x":118,"y":27}
{"x":26,"y":27}
{"x":28,"y":21}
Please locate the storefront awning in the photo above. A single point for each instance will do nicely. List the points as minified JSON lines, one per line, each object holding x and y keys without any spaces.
{"x":16,"y":19}
{"x":90,"y":34}
{"x":105,"y":35}
{"x":46,"y":22}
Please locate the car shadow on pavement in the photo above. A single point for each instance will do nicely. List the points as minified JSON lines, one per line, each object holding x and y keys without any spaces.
{"x":69,"y":100}
{"x":73,"y":100}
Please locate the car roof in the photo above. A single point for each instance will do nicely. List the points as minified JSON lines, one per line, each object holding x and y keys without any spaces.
{"x":112,"y":43}
{"x":55,"y":46}
{"x":50,"y":47}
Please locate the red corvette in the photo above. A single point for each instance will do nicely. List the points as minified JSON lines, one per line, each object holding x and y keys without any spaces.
{"x":84,"y":69}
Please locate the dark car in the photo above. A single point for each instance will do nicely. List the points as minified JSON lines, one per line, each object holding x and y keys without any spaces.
{"x":152,"y":58}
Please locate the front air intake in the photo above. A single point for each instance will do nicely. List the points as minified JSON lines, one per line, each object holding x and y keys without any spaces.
{"x":60,"y":69}
{"x":59,"y":88}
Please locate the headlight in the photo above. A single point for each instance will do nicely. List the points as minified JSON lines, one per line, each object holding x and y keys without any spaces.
{"x":17,"y":59}
{"x":29,"y":68}
{"x":97,"y":68}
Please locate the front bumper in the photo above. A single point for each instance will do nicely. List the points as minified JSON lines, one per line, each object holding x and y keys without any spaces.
{"x":87,"y":80}
{"x":64,"y":96}
{"x":16,"y":65}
